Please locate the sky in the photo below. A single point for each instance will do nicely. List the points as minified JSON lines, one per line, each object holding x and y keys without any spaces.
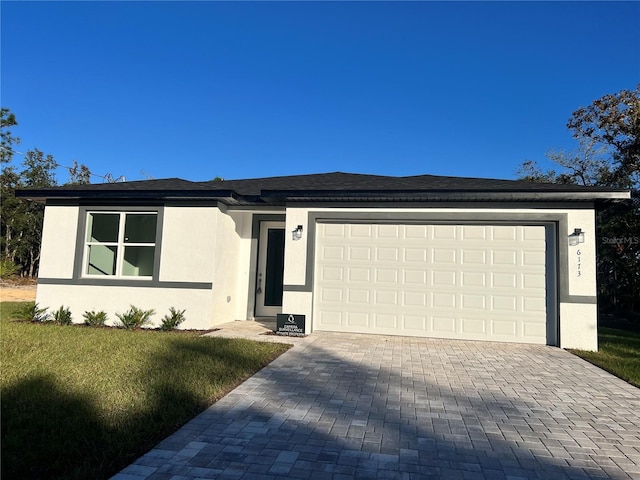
{"x":237,"y":90}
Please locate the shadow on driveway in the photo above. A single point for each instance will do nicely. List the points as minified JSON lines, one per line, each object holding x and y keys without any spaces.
{"x":368,"y":407}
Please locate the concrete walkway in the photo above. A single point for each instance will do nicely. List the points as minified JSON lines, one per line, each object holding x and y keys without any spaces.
{"x":342,"y":406}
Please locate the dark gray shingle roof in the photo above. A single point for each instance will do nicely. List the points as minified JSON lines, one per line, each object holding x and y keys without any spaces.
{"x":330,"y":186}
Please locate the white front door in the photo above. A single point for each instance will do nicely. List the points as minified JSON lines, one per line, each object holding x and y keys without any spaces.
{"x":270,"y":269}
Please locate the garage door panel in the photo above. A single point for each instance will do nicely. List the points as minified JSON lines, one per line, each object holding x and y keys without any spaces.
{"x":473,"y":326}
{"x":330,"y":318}
{"x":359,"y":295}
{"x":386,"y":275}
{"x":443,"y":324}
{"x":415,"y":323}
{"x":443,"y":256}
{"x":474,"y":257}
{"x":412,"y":255}
{"x":360,"y":254}
{"x":474,"y":232}
{"x":504,"y":280}
{"x":357,"y":320}
{"x":477,"y":282}
{"x":504,"y":303}
{"x":385,"y":321}
{"x":355,"y":274}
{"x":359,"y":230}
{"x":415,"y":231}
{"x":331,"y":295}
{"x":386,"y":297}
{"x":414,"y":277}
{"x":331,"y":274}
{"x":444,"y":233}
{"x":443,"y":299}
{"x":508,"y":233}
{"x":507,"y":328}
{"x":333,"y":253}
{"x":504,"y":257}
{"x":441,"y":278}
{"x":533,"y":281}
{"x":531,"y":258}
{"x":534,"y":305}
{"x":473,"y":302}
{"x":414,"y":299}
{"x":473,"y":279}
{"x":388,"y":231}
{"x":387,"y":254}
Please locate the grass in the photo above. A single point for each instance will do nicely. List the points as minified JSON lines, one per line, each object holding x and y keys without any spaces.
{"x":81,"y":402}
{"x":619,"y":354}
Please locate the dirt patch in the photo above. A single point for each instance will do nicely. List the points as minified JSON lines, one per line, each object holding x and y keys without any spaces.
{"x":10,"y":292}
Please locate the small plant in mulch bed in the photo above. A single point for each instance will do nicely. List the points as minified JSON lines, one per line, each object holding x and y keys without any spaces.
{"x":173,"y":320}
{"x":95,"y":319}
{"x":62,"y":316}
{"x":33,"y":313}
{"x":135,"y":317}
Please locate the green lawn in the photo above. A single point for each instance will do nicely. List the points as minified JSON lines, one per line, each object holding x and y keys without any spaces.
{"x":619,"y":354}
{"x":80,"y":402}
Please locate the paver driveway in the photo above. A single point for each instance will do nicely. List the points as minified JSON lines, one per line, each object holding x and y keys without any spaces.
{"x":358,"y":406}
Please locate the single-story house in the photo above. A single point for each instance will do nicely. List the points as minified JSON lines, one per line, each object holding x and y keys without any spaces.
{"x":432,"y":256}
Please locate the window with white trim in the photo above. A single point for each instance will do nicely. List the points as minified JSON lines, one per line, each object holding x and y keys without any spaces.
{"x":120,"y":244}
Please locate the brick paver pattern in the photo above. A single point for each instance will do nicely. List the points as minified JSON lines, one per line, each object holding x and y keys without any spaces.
{"x":342,"y":406}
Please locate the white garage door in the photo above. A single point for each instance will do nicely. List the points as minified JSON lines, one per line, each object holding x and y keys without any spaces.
{"x":475,"y":282}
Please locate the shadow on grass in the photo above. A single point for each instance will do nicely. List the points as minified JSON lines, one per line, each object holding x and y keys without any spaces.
{"x":620,"y":340}
{"x":58,"y":423}
{"x":54,"y":432}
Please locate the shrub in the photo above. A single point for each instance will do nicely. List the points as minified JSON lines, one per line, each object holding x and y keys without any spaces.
{"x":95,"y":319}
{"x":135,"y":317}
{"x":62,"y":316}
{"x":173,"y":320}
{"x":33,"y":313}
{"x":8,"y":268}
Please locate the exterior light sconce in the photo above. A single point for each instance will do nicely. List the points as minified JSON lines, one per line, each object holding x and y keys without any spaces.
{"x":576,"y":237}
{"x":297,"y":233}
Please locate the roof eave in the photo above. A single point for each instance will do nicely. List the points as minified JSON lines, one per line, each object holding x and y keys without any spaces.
{"x":567,"y":196}
{"x":42,"y":195}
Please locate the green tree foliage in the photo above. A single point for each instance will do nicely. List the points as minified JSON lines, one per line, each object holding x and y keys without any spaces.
{"x":21,"y":220}
{"x":613,"y":121}
{"x":79,"y":174}
{"x":608,"y":155}
{"x":7,"y":141}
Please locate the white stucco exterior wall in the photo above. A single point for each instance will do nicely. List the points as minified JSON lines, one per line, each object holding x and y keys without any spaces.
{"x":226,"y":267}
{"x":204,"y":244}
{"x":189,"y":236}
{"x":242,"y":222}
{"x":58,"y":247}
{"x":581,"y":261}
{"x":577,"y":317}
{"x":187,"y":247}
{"x":295,"y":260}
{"x":118,"y":299}
{"x":579,"y":326}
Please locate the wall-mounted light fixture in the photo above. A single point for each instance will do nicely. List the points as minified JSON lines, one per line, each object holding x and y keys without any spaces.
{"x":297,"y":233}
{"x":576,"y":237}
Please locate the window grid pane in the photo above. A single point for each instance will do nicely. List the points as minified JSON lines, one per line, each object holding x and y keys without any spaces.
{"x":140,"y":228}
{"x":120,"y":244}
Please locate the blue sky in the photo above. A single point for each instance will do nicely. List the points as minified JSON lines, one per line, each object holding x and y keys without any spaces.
{"x":251,"y":89}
